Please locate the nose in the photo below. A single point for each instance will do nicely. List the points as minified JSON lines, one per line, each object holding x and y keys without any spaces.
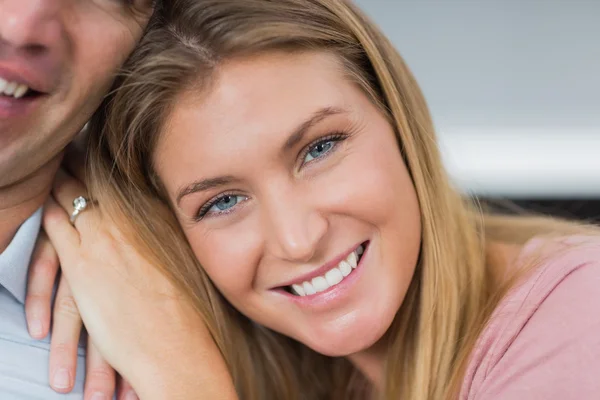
{"x":30,"y":24}
{"x":295,"y":226}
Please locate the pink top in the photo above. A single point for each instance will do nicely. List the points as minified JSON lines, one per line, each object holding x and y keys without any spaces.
{"x":543,"y":340}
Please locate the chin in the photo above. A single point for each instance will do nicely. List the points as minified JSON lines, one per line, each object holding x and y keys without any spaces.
{"x":343,"y":340}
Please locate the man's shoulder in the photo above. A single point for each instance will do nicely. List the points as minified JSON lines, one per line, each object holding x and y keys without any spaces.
{"x":14,"y":260}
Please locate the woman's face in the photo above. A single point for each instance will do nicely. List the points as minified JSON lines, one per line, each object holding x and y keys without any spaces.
{"x":290,"y":187}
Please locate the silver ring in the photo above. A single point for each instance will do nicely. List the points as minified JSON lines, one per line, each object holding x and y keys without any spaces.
{"x":79,"y":204}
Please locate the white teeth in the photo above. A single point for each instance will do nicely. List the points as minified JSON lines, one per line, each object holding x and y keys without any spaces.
{"x":352,"y":259}
{"x":299,"y":290}
{"x":14,"y":89}
{"x":334,"y":276}
{"x":20,"y":91}
{"x":320,"y":284}
{"x":345,"y":268}
{"x":331,"y":277}
{"x":308,"y":288}
{"x":10,"y":88}
{"x":360,"y":250}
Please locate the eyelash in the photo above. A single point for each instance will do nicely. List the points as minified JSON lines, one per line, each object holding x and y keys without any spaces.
{"x":335,"y":138}
{"x":204,"y":209}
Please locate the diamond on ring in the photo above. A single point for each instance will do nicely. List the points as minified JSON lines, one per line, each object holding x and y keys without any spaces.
{"x":79,"y":204}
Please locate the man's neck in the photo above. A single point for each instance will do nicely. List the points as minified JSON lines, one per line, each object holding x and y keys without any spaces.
{"x":19,"y":201}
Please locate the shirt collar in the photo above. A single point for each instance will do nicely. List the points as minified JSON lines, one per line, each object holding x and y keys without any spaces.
{"x":14,"y":261}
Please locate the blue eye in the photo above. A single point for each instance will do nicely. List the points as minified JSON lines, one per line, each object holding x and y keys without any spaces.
{"x":323,"y":146}
{"x":221,"y":205}
{"x":226,"y":202}
{"x":319,"y":150}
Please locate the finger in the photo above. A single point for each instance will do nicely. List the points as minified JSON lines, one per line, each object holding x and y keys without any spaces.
{"x":66,"y":329}
{"x":126,"y":391}
{"x":62,"y":234}
{"x":66,"y":189}
{"x":100,"y":378}
{"x":40,"y":286}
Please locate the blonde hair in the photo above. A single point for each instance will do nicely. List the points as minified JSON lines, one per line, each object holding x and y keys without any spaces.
{"x":453,"y":290}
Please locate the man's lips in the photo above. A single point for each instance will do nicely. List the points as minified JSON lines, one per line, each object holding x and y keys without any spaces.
{"x":23,"y":75}
{"x":20,"y":108}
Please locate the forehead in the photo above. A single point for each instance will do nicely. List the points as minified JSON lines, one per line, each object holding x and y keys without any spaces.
{"x":259,"y":98}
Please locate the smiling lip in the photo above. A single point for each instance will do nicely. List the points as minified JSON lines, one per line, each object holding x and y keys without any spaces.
{"x":322,"y":270}
{"x":11,"y":107}
{"x":23,"y":75}
{"x":334,"y":296}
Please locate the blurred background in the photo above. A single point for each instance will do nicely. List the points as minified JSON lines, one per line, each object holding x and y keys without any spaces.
{"x":514,"y":89}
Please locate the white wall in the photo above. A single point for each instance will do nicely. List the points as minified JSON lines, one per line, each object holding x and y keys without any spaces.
{"x":513,"y":85}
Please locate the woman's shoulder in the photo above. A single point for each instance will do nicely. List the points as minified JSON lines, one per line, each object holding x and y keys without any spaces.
{"x":543,"y":339}
{"x":553,"y":263}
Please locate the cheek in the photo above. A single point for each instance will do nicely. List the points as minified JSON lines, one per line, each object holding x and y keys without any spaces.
{"x":101,"y":35}
{"x":98,"y":77}
{"x":228,"y":256}
{"x":374,"y":185}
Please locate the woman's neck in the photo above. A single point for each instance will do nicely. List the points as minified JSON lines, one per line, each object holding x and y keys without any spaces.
{"x":371,"y":363}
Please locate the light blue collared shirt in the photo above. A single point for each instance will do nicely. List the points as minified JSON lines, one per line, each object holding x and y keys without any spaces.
{"x":24,"y":360}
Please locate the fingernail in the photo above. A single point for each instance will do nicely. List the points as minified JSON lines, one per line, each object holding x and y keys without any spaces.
{"x":131,"y":396}
{"x":99,"y":396}
{"x":35,"y":328}
{"x":62,"y":379}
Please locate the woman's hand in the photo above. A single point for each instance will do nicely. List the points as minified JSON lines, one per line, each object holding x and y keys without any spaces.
{"x":66,"y":329}
{"x":46,"y":309}
{"x":137,"y":319}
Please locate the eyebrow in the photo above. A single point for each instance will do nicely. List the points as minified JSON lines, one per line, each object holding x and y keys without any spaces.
{"x":295,"y":138}
{"x":202,"y":185}
{"x":298,"y":134}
